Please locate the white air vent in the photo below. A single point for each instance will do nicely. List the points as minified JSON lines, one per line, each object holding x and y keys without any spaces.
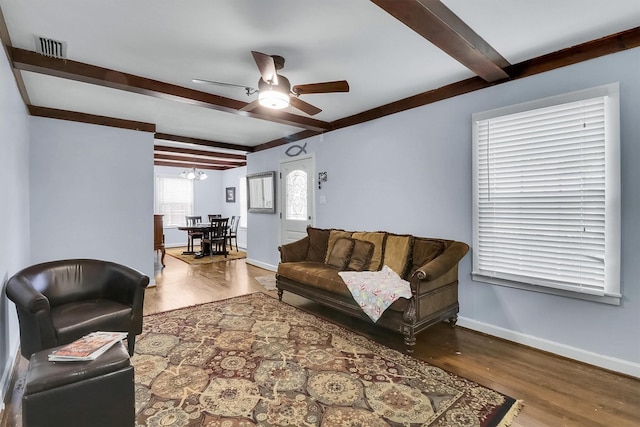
{"x":49,"y":47}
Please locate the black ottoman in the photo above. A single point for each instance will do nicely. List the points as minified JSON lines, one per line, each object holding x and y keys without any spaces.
{"x":95,"y":393}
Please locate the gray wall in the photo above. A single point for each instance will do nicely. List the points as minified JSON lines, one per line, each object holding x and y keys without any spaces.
{"x":14,"y":209}
{"x":231,"y":178}
{"x":411,"y":173}
{"x":91,"y":193}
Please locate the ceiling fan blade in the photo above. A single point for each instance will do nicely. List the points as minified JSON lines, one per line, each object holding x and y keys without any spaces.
{"x":222,"y":84}
{"x":326,"y":87}
{"x":304,"y":106}
{"x":267,"y":67}
{"x":250,"y":106}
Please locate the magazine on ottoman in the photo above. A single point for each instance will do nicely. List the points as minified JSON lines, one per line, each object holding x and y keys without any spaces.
{"x":87,"y":348}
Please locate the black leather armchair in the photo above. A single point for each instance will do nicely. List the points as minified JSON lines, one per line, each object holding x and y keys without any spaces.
{"x":60,"y":301}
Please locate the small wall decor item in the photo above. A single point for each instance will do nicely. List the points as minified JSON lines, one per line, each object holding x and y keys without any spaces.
{"x":231,"y":194}
{"x":296,"y":150}
{"x":322,"y":177}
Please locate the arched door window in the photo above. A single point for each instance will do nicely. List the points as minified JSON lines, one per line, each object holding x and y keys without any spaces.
{"x":297,"y":195}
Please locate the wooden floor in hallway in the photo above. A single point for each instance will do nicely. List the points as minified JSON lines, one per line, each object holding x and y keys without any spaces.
{"x":556,"y":391}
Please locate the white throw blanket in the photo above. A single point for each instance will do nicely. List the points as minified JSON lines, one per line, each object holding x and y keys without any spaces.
{"x":375,"y":291}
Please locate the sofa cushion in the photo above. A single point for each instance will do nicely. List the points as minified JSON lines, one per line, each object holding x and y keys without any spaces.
{"x":361,"y":255}
{"x":397,"y":249}
{"x":334,"y":235}
{"x":425,"y":250}
{"x":322,"y":276}
{"x":318,"y":242}
{"x":377,"y":238}
{"x":314,"y":274}
{"x":341,"y":253}
{"x":76,"y":319}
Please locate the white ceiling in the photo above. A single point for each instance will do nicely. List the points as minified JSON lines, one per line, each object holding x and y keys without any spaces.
{"x":355,"y":40}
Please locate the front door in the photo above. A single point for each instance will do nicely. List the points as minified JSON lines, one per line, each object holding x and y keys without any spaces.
{"x":296,"y":190}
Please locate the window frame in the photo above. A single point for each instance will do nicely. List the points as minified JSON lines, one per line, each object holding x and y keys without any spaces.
{"x":242,"y":199}
{"x":167,"y":216}
{"x":610,"y":293}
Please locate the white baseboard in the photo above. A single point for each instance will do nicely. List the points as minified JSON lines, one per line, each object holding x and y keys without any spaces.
{"x":5,"y":381}
{"x":261,"y":264}
{"x":611,"y":363}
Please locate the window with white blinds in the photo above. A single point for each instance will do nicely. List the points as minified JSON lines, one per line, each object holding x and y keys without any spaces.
{"x":174,"y":199}
{"x":547,"y":195}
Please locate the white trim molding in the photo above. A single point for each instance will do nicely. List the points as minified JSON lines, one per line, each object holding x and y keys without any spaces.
{"x":261,"y":264}
{"x":606,"y":362}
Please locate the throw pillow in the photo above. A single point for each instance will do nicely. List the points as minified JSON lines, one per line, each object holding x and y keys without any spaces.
{"x":341,"y":253}
{"x":377,"y":238}
{"x":333,"y":236}
{"x":425,"y":250}
{"x":361,"y":255}
{"x":396,"y":252}
{"x":318,"y":243}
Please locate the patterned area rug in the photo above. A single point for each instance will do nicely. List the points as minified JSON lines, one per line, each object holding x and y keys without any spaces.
{"x":190,"y":259}
{"x":255,"y":361}
{"x":269,"y":282}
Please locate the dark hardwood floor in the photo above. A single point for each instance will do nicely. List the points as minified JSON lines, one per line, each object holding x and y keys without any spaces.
{"x":556,"y":391}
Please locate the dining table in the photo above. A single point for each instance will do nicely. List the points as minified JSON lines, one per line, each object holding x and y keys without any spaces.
{"x":205,"y":229}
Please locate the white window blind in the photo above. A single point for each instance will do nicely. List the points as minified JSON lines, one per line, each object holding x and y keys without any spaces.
{"x":174,"y":199}
{"x":547,"y":193}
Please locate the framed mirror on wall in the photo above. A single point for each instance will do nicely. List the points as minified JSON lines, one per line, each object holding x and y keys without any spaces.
{"x":261,"y":192}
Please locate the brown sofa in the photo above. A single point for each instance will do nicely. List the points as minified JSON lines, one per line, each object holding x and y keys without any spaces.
{"x":309,"y":267}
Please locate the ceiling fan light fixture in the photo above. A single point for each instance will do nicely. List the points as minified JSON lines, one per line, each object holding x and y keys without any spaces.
{"x":274,"y":96}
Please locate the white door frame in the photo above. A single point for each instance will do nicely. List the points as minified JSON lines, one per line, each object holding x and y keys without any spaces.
{"x":281,"y":192}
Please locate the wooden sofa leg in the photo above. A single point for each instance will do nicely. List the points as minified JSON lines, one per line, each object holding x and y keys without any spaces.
{"x":453,"y":320}
{"x":409,"y":341}
{"x":280,"y":292}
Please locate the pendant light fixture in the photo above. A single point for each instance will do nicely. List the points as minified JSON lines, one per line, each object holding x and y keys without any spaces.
{"x":194,"y":174}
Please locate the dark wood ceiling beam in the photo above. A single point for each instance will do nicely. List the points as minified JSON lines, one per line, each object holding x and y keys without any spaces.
{"x":5,"y":38}
{"x":164,"y":148}
{"x":93,"y":119}
{"x":191,"y":165}
{"x":200,"y":160}
{"x":613,"y":43}
{"x":286,"y":140}
{"x":607,"y":45}
{"x":444,"y":29}
{"x":205,"y":142}
{"x":424,"y":98}
{"x":86,"y":73}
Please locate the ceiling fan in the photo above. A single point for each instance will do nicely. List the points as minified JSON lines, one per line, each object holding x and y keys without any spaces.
{"x":275,"y":91}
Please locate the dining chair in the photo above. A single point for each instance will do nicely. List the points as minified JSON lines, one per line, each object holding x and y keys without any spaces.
{"x":217,"y":236}
{"x":191,"y":221}
{"x":213,"y":216}
{"x":233,"y":231}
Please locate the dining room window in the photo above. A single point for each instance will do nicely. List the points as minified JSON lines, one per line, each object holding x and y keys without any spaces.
{"x":173,"y":199}
{"x":546,"y":195}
